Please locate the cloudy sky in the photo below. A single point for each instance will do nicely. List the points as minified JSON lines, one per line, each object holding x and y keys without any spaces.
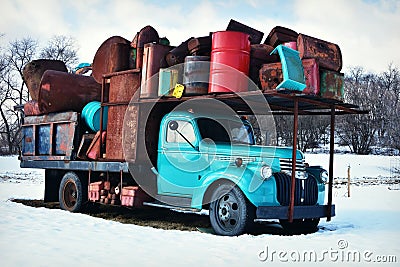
{"x":366,"y":30}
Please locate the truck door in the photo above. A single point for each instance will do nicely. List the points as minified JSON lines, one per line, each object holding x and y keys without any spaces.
{"x":179,"y":161}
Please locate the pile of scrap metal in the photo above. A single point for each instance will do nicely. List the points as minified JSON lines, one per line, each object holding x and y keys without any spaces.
{"x":124,"y":69}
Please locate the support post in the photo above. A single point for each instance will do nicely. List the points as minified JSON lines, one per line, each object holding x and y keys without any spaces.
{"x":294,"y":157}
{"x":331,"y":151}
{"x":348,"y":181}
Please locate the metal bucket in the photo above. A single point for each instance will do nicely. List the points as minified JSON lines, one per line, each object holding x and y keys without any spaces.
{"x":196,"y":75}
{"x":230,"y":49}
{"x":91,"y":116}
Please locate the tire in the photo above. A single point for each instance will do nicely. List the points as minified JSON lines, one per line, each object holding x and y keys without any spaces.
{"x":300,"y":226}
{"x":71,"y":193}
{"x":231,"y":214}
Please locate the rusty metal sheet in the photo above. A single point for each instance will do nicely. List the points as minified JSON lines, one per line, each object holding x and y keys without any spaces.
{"x":61,"y":91}
{"x":328,"y":54}
{"x":33,"y":72}
{"x":123,"y":86}
{"x":255,"y":35}
{"x":116,"y":128}
{"x":112,"y":55}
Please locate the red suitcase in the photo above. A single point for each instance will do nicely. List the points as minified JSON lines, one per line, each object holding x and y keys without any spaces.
{"x":328,"y":55}
{"x":271,"y":76}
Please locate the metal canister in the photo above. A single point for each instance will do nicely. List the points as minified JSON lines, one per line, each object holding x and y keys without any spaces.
{"x":168,"y":78}
{"x":196,"y":75}
{"x":230,"y":60}
{"x":60,"y":91}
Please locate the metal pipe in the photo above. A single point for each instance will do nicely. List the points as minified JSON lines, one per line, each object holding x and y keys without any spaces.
{"x":331,"y":150}
{"x":294,"y":156}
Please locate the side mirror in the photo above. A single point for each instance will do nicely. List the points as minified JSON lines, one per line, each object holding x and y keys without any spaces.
{"x":173,"y":125}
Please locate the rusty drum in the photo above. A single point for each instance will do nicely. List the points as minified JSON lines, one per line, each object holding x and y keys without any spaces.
{"x":33,"y":72}
{"x":60,"y":91}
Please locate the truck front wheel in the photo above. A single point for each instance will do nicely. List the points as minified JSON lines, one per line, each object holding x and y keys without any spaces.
{"x":71,"y":193}
{"x":231,"y":213}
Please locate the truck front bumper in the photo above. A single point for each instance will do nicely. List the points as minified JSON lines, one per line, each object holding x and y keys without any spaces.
{"x":300,"y":212}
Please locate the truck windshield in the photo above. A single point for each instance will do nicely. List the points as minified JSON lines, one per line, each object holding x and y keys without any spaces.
{"x":226,"y":131}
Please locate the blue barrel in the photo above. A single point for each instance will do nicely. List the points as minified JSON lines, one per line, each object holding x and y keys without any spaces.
{"x":91,"y":115}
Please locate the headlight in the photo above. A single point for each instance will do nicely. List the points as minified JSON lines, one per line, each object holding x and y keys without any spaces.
{"x":266,"y":172}
{"x":324,"y":176}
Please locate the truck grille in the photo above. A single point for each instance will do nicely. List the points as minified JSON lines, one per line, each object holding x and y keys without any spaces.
{"x":306,"y":192}
{"x":286,"y":165}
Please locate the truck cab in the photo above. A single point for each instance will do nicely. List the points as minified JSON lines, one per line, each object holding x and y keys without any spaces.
{"x":211,"y":161}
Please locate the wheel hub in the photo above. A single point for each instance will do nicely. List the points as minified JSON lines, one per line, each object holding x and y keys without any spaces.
{"x":224,"y":211}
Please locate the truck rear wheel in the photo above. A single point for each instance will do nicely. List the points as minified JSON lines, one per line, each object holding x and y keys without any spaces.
{"x":231,"y":213}
{"x":71,"y":193}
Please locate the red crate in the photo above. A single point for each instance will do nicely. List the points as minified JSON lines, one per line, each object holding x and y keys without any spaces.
{"x":96,"y":186}
{"x":94,"y":195}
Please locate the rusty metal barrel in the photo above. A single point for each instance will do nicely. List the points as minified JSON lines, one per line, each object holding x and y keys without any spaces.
{"x":230,"y":61}
{"x":196,"y":75}
{"x":60,"y":91}
{"x":33,"y":72}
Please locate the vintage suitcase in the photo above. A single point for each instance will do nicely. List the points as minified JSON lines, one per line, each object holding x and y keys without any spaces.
{"x":260,"y":54}
{"x":94,"y":148}
{"x":332,"y":85}
{"x":255,"y":35}
{"x":328,"y":55}
{"x":153,"y":57}
{"x":31,"y":108}
{"x":271,"y":76}
{"x":280,"y":35}
{"x":177,"y":55}
{"x":200,"y":46}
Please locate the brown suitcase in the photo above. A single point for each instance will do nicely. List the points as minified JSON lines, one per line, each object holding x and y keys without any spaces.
{"x":280,"y":35}
{"x":153,"y":60}
{"x":255,"y":35}
{"x":177,"y":55}
{"x":271,"y":76}
{"x":200,"y":46}
{"x":328,"y":55}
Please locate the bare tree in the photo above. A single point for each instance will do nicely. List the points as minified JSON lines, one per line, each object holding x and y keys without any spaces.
{"x":62,"y":48}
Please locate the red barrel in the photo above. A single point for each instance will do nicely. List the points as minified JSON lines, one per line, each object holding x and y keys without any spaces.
{"x":230,"y":60}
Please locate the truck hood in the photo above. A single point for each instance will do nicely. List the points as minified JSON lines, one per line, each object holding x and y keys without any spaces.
{"x":239,"y":150}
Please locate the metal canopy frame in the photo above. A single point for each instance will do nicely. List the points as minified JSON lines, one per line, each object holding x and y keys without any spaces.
{"x":283,"y":102}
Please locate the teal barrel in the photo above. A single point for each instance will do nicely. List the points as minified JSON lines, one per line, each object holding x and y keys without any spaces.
{"x":91,"y":115}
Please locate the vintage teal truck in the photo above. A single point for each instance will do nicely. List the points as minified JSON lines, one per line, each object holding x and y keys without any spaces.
{"x":186,"y":159}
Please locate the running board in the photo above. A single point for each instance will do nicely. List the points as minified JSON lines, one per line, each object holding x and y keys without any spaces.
{"x":166,"y":206}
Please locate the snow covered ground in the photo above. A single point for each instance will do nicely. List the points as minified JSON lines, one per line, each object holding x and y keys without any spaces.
{"x":365,"y":230}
